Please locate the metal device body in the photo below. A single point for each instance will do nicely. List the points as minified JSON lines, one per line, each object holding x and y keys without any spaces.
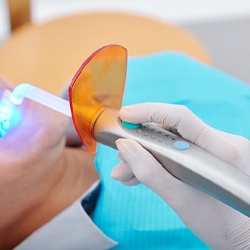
{"x":193,"y":165}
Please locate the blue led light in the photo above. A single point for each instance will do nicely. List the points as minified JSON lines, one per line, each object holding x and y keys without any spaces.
{"x":9,"y":114}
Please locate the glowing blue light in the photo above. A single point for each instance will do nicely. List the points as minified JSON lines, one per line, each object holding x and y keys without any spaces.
{"x":10,"y":116}
{"x":18,"y":94}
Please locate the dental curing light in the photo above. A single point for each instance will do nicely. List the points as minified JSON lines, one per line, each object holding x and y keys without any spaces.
{"x":95,"y":96}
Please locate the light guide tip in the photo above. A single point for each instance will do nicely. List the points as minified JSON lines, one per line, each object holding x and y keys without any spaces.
{"x":17,"y":96}
{"x":9,"y":115}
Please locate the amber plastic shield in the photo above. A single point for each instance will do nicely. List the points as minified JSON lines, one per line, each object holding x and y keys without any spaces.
{"x":98,"y":84}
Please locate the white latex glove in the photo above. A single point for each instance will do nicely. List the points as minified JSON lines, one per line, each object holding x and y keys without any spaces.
{"x":217,"y":224}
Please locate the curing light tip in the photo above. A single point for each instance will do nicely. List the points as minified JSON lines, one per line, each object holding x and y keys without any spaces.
{"x":36,"y":94}
{"x":9,"y":115}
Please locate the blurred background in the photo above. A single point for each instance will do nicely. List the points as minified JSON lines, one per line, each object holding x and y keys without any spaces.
{"x":222,"y":26}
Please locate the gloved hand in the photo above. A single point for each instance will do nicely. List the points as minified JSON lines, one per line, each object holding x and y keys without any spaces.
{"x":217,"y":224}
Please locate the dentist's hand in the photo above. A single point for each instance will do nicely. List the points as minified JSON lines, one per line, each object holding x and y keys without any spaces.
{"x":217,"y":224}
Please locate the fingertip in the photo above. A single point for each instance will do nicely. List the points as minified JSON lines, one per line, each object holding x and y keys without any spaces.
{"x":131,"y":182}
{"x":114,"y":174}
{"x":124,"y":113}
{"x":117,"y":171}
{"x":123,"y":147}
{"x":122,"y":171}
{"x":132,"y":113}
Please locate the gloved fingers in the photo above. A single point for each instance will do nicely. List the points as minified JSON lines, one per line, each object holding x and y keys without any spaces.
{"x":131,"y":182}
{"x":149,"y":171}
{"x":187,"y":124}
{"x":120,"y":156}
{"x":233,"y":138}
{"x":122,"y":172}
{"x":161,"y":113}
{"x":176,"y":117}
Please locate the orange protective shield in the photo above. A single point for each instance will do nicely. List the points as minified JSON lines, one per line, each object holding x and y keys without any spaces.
{"x":99,"y":83}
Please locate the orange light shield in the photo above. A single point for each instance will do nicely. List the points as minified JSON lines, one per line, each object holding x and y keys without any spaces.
{"x":99,"y":83}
